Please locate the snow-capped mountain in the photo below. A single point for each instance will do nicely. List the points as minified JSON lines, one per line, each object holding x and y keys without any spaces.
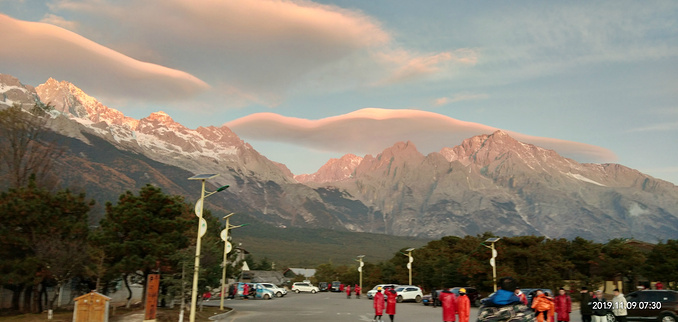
{"x":334,"y":170}
{"x":496,"y":183}
{"x":487,"y":183}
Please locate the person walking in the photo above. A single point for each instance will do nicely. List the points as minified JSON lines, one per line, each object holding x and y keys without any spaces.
{"x":585,"y":305}
{"x":619,"y":306}
{"x":378,"y":305}
{"x":348,"y":291}
{"x":541,"y":306}
{"x":599,"y":305}
{"x":391,"y":303}
{"x":357,"y":291}
{"x":434,"y":298}
{"x":246,"y":291}
{"x":504,"y":305}
{"x":463,"y":306}
{"x":563,"y":304}
{"x":449,"y":303}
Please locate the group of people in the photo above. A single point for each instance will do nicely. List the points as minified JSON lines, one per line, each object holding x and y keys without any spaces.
{"x":451,"y":304}
{"x":547,"y":308}
{"x":356,"y":289}
{"x":594,"y":307}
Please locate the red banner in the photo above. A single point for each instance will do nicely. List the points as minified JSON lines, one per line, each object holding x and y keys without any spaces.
{"x":152,"y":287}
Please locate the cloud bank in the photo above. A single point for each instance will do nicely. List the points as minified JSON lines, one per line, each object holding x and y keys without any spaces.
{"x":259,"y":51}
{"x":370,"y":130}
{"x":36,"y":51}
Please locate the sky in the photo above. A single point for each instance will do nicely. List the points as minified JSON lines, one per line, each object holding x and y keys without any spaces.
{"x":305,"y":81}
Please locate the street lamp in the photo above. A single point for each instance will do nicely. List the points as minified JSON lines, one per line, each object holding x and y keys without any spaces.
{"x":227,"y":249}
{"x":409,"y":263}
{"x":360,"y":269}
{"x":493,"y":263}
{"x":202,"y":229}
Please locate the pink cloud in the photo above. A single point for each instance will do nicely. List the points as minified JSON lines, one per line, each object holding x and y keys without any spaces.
{"x":35,"y":51}
{"x":263,"y":48}
{"x":408,"y":66}
{"x":370,"y":130}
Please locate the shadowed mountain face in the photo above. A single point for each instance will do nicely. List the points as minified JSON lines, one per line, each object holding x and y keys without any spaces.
{"x":488,"y":183}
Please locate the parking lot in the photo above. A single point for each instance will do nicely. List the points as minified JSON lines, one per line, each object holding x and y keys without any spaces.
{"x":328,"y":307}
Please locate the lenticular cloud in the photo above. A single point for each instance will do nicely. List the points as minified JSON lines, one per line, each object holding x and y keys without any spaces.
{"x":36,"y":51}
{"x":370,"y":130}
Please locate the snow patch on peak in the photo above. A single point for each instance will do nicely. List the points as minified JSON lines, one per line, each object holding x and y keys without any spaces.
{"x":583,"y":178}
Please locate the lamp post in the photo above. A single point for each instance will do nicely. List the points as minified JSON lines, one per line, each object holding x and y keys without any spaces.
{"x":409,"y":263}
{"x":227,"y":249}
{"x":202,"y":229}
{"x":493,"y":263}
{"x":360,"y":270}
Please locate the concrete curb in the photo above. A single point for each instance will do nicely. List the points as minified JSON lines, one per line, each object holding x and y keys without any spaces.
{"x":221,"y":316}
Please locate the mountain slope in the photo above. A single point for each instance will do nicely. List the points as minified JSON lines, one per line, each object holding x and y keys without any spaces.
{"x":495,"y":183}
{"x":487,"y":183}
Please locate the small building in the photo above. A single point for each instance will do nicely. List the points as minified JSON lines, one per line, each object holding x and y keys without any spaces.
{"x":91,"y":307}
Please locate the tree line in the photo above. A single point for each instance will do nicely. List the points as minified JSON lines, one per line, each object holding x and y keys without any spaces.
{"x":535,"y":262}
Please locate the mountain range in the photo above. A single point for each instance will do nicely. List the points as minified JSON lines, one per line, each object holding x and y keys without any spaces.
{"x":489,"y":182}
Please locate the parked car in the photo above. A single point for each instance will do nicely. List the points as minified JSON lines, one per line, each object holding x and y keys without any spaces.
{"x":324,"y":287}
{"x":304,"y":287}
{"x":256,"y":290}
{"x":335,"y":286}
{"x":370,"y":293}
{"x":409,"y":293}
{"x":652,"y":304}
{"x":278,"y":291}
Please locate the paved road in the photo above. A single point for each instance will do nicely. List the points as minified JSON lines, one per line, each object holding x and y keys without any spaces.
{"x":328,"y":307}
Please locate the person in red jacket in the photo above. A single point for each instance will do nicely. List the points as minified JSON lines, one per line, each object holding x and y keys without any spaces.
{"x":463,"y":306}
{"x":246,"y":291}
{"x":449,"y":303}
{"x":563,"y":304}
{"x":378,"y":305}
{"x":391,"y":303}
{"x":348,"y":291}
{"x":357,"y":291}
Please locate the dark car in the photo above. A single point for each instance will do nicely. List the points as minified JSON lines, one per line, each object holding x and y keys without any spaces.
{"x":473,"y":296}
{"x":324,"y":286}
{"x":661,"y":305}
{"x":335,"y":287}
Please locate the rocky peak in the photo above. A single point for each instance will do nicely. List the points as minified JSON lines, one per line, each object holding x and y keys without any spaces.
{"x":12,"y":91}
{"x":73,"y":101}
{"x":334,"y":170}
{"x":160,"y":117}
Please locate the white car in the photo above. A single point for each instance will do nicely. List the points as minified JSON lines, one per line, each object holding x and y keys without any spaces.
{"x":409,"y":293}
{"x":304,"y":287}
{"x":370,"y":293}
{"x":278,"y":291}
